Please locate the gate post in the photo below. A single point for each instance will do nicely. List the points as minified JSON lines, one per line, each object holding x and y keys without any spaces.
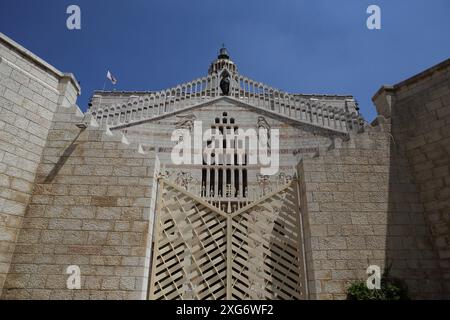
{"x":229,"y":257}
{"x":160,"y":190}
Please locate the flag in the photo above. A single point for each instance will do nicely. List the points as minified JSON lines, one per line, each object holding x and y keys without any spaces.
{"x":111,"y":77}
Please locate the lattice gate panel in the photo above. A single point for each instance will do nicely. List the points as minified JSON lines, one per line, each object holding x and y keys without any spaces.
{"x":190,"y":250}
{"x":201,"y":252}
{"x":266,"y":249}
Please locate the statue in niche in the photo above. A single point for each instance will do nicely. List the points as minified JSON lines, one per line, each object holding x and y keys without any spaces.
{"x":225,"y":84}
{"x":264,"y":125}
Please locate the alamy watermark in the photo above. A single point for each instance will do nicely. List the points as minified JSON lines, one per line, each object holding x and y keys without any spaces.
{"x":229,"y":146}
{"x":74,"y":279}
{"x":73,"y":22}
{"x":374,"y":20}
{"x":374,"y":280}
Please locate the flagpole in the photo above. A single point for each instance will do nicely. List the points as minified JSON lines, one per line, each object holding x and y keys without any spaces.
{"x":103,"y":90}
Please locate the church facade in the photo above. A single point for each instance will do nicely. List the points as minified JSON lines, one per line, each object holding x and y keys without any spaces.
{"x":95,"y":205}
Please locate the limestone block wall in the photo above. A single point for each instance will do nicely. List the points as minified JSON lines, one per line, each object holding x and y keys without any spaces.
{"x":360,"y":210}
{"x":91,"y":208}
{"x":30,"y":92}
{"x":419,"y":109}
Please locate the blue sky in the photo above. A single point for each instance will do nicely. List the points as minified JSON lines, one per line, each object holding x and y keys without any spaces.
{"x":320,"y":46}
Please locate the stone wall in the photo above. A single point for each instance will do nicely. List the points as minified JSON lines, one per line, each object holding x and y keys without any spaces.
{"x":359,"y":210}
{"x":91,"y":208}
{"x":419,"y":109}
{"x":30,"y":92}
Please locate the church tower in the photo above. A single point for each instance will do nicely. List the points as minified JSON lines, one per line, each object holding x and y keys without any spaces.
{"x":222,"y":62}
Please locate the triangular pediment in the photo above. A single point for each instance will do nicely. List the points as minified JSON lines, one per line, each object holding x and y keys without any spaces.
{"x":239,"y":103}
{"x":329,"y":115}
